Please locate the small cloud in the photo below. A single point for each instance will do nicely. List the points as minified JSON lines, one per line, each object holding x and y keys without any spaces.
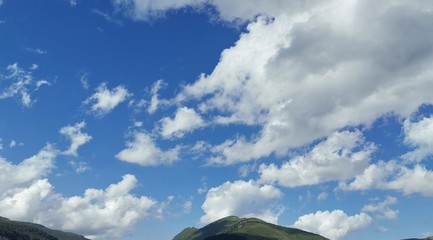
{"x":322,"y":196}
{"x":78,"y":138}
{"x":80,"y":167}
{"x":104,"y":100}
{"x":107,"y":17}
{"x":186,"y":120}
{"x":84,"y":78}
{"x":382,"y":209}
{"x":12,"y":144}
{"x":73,"y":3}
{"x":35,"y":50}
{"x":155,"y":102}
{"x":143,"y":150}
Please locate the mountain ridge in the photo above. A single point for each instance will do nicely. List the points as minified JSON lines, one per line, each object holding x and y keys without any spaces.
{"x":233,"y":227}
{"x":11,"y":230}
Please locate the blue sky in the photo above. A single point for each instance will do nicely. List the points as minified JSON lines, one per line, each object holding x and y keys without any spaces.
{"x":133,"y":119}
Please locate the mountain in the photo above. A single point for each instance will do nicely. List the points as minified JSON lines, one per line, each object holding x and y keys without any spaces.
{"x":12,"y":230}
{"x":235,"y":228}
{"x":427,"y":238}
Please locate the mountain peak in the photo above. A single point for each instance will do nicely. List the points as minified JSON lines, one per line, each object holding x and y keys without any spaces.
{"x":233,"y":227}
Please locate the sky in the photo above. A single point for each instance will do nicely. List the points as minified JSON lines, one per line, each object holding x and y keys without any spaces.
{"x":134,"y":119}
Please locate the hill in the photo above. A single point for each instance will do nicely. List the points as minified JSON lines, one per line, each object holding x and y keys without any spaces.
{"x":12,"y":230}
{"x":235,"y":228}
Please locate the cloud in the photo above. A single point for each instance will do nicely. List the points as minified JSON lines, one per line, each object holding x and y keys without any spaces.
{"x":333,"y":225}
{"x":22,"y":202}
{"x":35,"y":50}
{"x":146,"y":10}
{"x":103,"y":213}
{"x":142,"y":150}
{"x":35,"y":167}
{"x":77,"y":137}
{"x":80,"y":166}
{"x":245,"y":199}
{"x":382,"y":209}
{"x":392,"y":175}
{"x":104,"y":100}
{"x":346,"y":149}
{"x":84,"y":78}
{"x":420,"y":136}
{"x":22,"y":84}
{"x":186,"y":120}
{"x":155,"y":101}
{"x":12,"y":144}
{"x":301,"y":76}
{"x":98,"y":213}
{"x":107,"y":17}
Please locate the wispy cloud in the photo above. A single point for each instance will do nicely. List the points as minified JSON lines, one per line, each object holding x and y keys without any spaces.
{"x":107,"y":17}
{"x":20,"y":83}
{"x":35,"y":50}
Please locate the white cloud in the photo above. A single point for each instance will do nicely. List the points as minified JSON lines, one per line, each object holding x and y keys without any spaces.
{"x":77,"y":137}
{"x":155,"y":101}
{"x":103,"y":213}
{"x":322,"y":196}
{"x":333,"y":225}
{"x":84,"y":78}
{"x":22,"y":84}
{"x":302,"y":76}
{"x":35,"y":50}
{"x":146,"y":10}
{"x":98,"y":214}
{"x":245,"y":199}
{"x":392,"y":175}
{"x":142,"y":150}
{"x":186,"y":120}
{"x":73,"y":3}
{"x":382,"y":209}
{"x":79,"y":166}
{"x":24,"y":202}
{"x":342,"y":150}
{"x":105,"y":100}
{"x":14,"y":176}
{"x":107,"y":17}
{"x":419,"y":135}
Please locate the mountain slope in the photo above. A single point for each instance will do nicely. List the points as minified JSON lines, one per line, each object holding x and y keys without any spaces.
{"x":11,"y":230}
{"x":235,"y":228}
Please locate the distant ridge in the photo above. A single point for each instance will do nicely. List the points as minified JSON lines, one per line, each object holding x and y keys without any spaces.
{"x":14,"y":230}
{"x":235,"y":228}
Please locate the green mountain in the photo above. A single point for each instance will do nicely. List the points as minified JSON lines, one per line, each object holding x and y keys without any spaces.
{"x":234,"y":228}
{"x":14,"y":230}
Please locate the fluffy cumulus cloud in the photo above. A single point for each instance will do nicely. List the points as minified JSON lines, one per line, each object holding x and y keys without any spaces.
{"x":14,"y":176}
{"x":302,"y":76}
{"x":97,"y":214}
{"x":143,"y":150}
{"x":185,"y":120}
{"x":347,"y":150}
{"x":102,"y":213}
{"x":104,"y":100}
{"x":246,"y":199}
{"x":420,"y":136}
{"x":333,"y":225}
{"x":392,"y":175}
{"x":20,"y":83}
{"x":78,"y":138}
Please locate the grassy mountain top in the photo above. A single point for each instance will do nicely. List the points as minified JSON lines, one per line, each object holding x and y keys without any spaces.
{"x":12,"y":230}
{"x":235,"y":228}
